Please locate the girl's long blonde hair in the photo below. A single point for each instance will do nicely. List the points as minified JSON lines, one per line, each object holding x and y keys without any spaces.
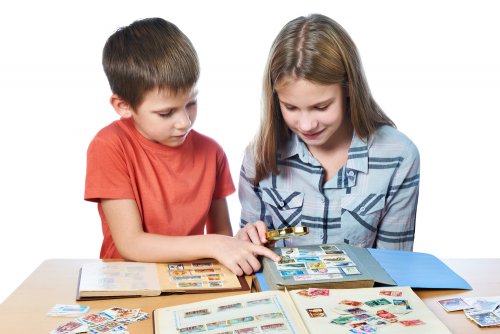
{"x":317,"y":49}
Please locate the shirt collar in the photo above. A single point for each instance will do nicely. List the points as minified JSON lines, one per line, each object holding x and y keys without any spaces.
{"x":357,"y":159}
{"x":296,"y":147}
{"x":358,"y":154}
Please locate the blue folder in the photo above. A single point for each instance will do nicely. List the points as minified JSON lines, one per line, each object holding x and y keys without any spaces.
{"x":418,"y":270}
{"x":413,"y":269}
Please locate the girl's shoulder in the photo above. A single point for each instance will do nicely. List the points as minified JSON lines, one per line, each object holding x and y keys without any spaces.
{"x":389,"y":138}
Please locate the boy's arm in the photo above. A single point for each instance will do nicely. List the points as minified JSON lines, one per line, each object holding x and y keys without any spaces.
{"x":219,"y":222}
{"x":134,"y":244}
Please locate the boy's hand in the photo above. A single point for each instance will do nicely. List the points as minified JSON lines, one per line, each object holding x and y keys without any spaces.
{"x":255,"y":233}
{"x":240,"y":256}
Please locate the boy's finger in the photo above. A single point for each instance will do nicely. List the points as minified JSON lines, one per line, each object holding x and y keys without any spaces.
{"x":246,"y":267}
{"x":235,"y":268}
{"x":254,"y":263}
{"x":264,"y":251}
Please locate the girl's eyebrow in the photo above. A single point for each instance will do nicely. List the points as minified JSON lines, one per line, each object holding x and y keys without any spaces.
{"x":327,"y":101}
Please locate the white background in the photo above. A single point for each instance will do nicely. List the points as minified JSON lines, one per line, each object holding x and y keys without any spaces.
{"x":432,"y":65}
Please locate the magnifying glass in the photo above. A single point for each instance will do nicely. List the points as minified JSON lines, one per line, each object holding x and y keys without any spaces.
{"x":288,"y":232}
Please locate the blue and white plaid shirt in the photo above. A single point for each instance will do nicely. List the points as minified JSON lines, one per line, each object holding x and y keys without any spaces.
{"x":371,"y":202}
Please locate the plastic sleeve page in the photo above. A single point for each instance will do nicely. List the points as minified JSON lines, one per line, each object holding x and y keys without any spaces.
{"x":119,"y":278}
{"x":261,"y":312}
{"x":196,"y":275}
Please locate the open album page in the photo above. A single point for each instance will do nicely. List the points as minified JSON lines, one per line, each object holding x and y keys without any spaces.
{"x":196,"y":275}
{"x":263,"y":312}
{"x":396,"y":310}
{"x":119,"y":279}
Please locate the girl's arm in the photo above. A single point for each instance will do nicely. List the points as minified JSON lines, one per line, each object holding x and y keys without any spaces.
{"x":252,"y":226}
{"x":397,"y":226}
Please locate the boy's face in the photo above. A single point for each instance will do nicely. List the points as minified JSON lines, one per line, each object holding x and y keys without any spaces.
{"x":166,"y":118}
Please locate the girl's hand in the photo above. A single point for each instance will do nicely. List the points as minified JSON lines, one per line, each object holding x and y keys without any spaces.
{"x":255,"y":233}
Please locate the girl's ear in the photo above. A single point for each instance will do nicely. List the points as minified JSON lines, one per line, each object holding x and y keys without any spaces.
{"x":346,"y":91}
{"x":121,"y":107}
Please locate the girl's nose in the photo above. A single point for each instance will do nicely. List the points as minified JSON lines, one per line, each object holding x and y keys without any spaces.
{"x":307,"y":123}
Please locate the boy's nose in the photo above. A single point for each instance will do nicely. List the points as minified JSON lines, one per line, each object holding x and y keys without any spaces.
{"x":183,"y":122}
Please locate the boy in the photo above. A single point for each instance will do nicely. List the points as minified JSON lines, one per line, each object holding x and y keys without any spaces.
{"x":159,"y":184}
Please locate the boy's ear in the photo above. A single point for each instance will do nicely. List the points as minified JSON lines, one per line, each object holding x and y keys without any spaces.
{"x":121,"y":107}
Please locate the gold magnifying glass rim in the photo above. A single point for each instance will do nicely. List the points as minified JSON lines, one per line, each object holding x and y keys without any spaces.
{"x":288,"y":232}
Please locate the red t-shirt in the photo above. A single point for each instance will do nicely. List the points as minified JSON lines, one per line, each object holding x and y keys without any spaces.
{"x":172,"y":186}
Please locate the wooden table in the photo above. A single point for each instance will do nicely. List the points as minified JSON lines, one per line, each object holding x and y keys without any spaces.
{"x":484,"y":277}
{"x":55,"y":281}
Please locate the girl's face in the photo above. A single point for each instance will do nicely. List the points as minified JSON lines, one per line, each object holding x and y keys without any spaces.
{"x":314,"y":112}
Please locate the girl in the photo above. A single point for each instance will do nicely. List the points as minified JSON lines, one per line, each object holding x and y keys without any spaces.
{"x":326,"y":157}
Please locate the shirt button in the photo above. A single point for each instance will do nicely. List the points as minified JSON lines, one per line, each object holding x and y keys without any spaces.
{"x":362,"y":209}
{"x":350,"y":173}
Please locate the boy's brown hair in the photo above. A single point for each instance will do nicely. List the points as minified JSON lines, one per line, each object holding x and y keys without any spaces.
{"x":149,"y":54}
